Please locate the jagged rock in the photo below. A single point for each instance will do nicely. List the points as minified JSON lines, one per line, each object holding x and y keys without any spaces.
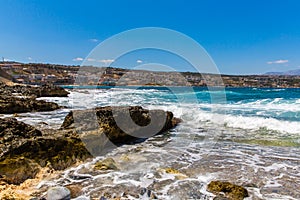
{"x":50,"y":91}
{"x":23,"y":145}
{"x":11,"y":105}
{"x":231,"y":191}
{"x":13,"y":132}
{"x":123,"y":124}
{"x":58,"y":193}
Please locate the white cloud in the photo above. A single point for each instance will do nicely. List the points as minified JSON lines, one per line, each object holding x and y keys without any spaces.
{"x":7,"y":60}
{"x":91,"y":59}
{"x":106,"y":61}
{"x":78,"y":59}
{"x":29,"y":58}
{"x":139,"y":61}
{"x":278,"y":62}
{"x":93,"y":40}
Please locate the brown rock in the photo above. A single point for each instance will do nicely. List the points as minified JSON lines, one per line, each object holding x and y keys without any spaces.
{"x":17,"y":170}
{"x":121,"y":125}
{"x":11,"y":105}
{"x":22,"y":145}
{"x":75,"y":189}
{"x":106,"y":164}
{"x":232,"y":192}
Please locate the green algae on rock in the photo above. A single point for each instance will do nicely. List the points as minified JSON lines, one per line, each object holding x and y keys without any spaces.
{"x":106,"y":164}
{"x":231,"y":191}
{"x":17,"y":170}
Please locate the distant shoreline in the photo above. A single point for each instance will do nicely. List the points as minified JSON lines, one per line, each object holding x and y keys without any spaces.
{"x":160,"y":86}
{"x":40,"y":74}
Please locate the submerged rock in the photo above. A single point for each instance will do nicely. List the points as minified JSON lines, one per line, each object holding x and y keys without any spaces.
{"x":122,"y":191}
{"x":106,"y":164}
{"x":231,"y":191}
{"x":121,"y":124}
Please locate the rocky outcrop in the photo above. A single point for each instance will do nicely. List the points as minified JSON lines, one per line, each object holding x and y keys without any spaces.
{"x":24,"y":150}
{"x":11,"y":104}
{"x":22,"y":98}
{"x":123,"y":124}
{"x":104,"y":128}
{"x":12,"y":132}
{"x":27,"y":91}
{"x":41,"y":91}
{"x":231,"y":191}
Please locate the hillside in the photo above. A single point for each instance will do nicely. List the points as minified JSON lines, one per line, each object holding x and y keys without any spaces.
{"x":40,"y":73}
{"x":295,"y":72}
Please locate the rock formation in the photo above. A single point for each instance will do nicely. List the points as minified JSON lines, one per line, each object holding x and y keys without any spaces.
{"x":11,"y":105}
{"x":231,"y":191}
{"x":24,"y":150}
{"x":104,"y":128}
{"x":40,"y":91}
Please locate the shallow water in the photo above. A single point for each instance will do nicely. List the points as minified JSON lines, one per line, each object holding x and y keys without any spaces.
{"x":252,"y":139}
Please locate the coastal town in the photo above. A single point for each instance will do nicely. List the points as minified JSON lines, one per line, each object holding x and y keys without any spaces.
{"x":41,"y":74}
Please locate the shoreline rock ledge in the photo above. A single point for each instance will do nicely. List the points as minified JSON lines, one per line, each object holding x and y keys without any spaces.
{"x":25,"y":150}
{"x":120,"y":124}
{"x":22,"y":98}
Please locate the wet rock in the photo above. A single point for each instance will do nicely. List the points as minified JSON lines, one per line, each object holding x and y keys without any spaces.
{"x":17,"y":170}
{"x":231,"y":191}
{"x":147,"y":193}
{"x":176,"y":173}
{"x":58,"y":193}
{"x":79,"y":176}
{"x":106,"y":164}
{"x":12,"y":105}
{"x":122,"y":191}
{"x":220,"y":198}
{"x":121,"y":125}
{"x":76,"y":190}
{"x":186,"y":190}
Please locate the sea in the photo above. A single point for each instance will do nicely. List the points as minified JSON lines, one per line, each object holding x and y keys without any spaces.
{"x":247,"y":136}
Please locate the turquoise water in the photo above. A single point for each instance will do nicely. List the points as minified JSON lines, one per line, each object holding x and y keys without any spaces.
{"x":277,"y":103}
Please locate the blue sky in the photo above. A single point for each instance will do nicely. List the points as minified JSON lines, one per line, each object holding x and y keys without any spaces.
{"x":242,"y":37}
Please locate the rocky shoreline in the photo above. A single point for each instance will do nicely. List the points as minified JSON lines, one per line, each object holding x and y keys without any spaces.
{"x":29,"y":156}
{"x":21,"y":99}
{"x":27,"y":151}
